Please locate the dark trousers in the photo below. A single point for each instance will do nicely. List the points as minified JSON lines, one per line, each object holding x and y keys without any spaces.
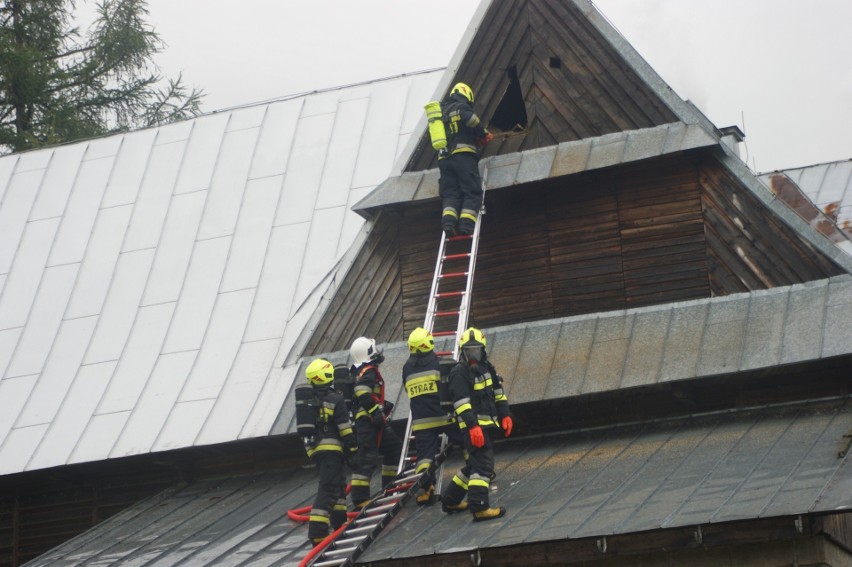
{"x":369,"y":449}
{"x":427,"y":442}
{"x":475,"y":478}
{"x":460,"y":187}
{"x":330,"y":503}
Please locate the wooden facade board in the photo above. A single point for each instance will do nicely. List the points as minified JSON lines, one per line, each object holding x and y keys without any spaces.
{"x":573,"y":82}
{"x":669,"y":229}
{"x":770,"y":250}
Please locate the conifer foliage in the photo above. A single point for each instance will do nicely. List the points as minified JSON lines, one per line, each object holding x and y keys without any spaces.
{"x":58,"y":84}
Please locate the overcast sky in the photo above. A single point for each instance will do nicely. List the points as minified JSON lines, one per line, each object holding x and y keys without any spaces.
{"x":778,"y":69}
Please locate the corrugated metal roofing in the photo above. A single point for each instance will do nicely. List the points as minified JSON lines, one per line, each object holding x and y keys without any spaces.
{"x":827,"y":185}
{"x":704,"y":469}
{"x":152,"y":283}
{"x":610,"y":351}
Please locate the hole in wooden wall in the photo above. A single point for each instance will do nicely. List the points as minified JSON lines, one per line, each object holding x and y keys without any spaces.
{"x":511,"y":114}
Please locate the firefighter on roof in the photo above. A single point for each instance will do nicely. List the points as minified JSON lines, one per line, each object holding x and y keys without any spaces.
{"x":371,"y":428}
{"x":460,"y":185}
{"x":421,"y":377}
{"x":481,"y":409}
{"x":323,"y":423}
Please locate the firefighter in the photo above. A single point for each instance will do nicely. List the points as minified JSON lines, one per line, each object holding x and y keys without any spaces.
{"x":374,"y":434}
{"x":460,"y":185}
{"x":325,"y":427}
{"x":421,"y":377}
{"x":481,"y":410}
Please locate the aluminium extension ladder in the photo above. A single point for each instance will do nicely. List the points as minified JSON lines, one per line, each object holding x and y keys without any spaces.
{"x":450,"y":283}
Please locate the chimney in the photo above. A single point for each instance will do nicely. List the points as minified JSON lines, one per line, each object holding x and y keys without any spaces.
{"x":731,"y":137}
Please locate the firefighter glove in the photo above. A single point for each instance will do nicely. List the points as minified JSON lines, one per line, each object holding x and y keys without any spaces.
{"x":507,"y":425}
{"x":477,"y":439}
{"x":387,"y":407}
{"x":483,"y":141}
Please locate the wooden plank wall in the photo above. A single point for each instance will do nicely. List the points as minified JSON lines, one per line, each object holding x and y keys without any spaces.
{"x":597,"y":242}
{"x":749,"y":248}
{"x":659,"y":231}
{"x":574,"y":84}
{"x":369,"y":299}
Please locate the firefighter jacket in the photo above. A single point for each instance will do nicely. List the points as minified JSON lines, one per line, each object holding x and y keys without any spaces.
{"x":369,"y":391}
{"x":463,"y":125}
{"x":421,"y":376}
{"x":322,"y":420}
{"x":478,"y":397}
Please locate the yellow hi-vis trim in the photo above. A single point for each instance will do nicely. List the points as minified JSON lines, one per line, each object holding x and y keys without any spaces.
{"x":320,"y":519}
{"x":422,"y":385}
{"x":460,"y":482}
{"x":448,"y":212}
{"x":360,"y":482}
{"x":478,"y":482}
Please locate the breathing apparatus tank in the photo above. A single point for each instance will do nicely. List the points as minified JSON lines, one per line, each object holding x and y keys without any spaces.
{"x":437,"y":132}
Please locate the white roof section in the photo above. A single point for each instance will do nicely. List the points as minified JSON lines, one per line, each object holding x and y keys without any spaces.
{"x":828,"y":185}
{"x":152,"y":284}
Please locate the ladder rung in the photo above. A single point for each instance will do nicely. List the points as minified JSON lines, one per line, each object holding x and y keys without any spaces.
{"x":443,"y":352}
{"x":383,"y":508}
{"x":453,"y":275}
{"x":394,"y":497}
{"x":359,"y":530}
{"x":443,"y":333}
{"x":364,"y":519}
{"x":449,"y":294}
{"x":340,"y":551}
{"x":446,"y":313}
{"x":407,"y":478}
{"x":330,"y":563}
{"x":457,"y":256}
{"x":460,"y":237}
{"x":349,"y":540}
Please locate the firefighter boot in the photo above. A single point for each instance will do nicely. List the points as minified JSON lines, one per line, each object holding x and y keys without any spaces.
{"x":453,"y":508}
{"x":466,"y":226}
{"x":489,"y":514}
{"x":428,"y":496}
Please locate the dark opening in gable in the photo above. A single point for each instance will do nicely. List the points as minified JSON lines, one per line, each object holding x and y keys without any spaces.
{"x":511,"y":114}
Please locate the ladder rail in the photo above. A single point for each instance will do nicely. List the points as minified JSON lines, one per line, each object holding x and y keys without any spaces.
{"x":464,"y":308}
{"x":382,"y":507}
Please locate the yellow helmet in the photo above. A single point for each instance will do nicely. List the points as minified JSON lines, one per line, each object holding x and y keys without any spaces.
{"x":420,"y":340}
{"x":463,"y":90}
{"x":320,"y":372}
{"x":472,"y":334}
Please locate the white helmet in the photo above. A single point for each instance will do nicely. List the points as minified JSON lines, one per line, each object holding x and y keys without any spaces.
{"x":364,"y":350}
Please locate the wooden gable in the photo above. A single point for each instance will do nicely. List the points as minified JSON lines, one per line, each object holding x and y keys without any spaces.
{"x":543,"y":74}
{"x":671,"y":229}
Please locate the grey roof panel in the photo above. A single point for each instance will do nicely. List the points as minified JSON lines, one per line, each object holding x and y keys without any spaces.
{"x":554,"y":161}
{"x":609,"y":351}
{"x":746,"y":464}
{"x":674,"y":473}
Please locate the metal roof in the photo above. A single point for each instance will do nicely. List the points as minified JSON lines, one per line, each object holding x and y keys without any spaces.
{"x":152,"y":283}
{"x":692,"y":471}
{"x":827,"y":185}
{"x":610,"y":351}
{"x":566,"y":158}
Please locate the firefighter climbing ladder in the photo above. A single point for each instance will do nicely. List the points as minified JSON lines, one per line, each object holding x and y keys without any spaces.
{"x":344,"y":546}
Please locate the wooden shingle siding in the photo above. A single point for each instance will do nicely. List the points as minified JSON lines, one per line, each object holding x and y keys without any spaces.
{"x":588,"y":91}
{"x":748,"y":247}
{"x":662,"y":230}
{"x":368,"y":301}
